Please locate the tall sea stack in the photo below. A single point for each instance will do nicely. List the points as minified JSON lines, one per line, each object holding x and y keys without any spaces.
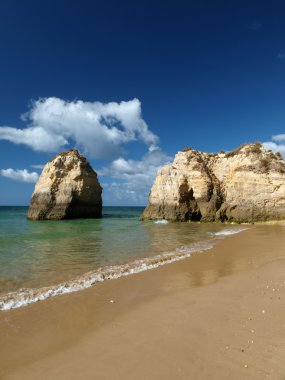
{"x":68,"y":188}
{"x":245,"y":185}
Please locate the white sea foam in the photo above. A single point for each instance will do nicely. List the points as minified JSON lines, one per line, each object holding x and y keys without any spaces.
{"x":162,"y":221}
{"x":24,"y":297}
{"x":227,"y":232}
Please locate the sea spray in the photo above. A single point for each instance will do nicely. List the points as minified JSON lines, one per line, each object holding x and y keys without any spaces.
{"x":227,"y":232}
{"x":162,"y":221}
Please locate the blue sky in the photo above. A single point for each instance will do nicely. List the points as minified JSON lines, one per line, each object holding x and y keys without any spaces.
{"x":131,"y":83}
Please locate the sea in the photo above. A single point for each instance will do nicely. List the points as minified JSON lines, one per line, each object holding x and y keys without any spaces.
{"x":42,"y":259}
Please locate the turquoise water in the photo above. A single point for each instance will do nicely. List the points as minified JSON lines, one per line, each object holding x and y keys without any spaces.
{"x":34,"y":254}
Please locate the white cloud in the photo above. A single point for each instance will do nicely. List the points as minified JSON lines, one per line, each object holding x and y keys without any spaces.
{"x":135,"y":176}
{"x":37,"y":166}
{"x":277,"y":145}
{"x":37,"y":138}
{"x":279,"y":138}
{"x":99,"y":129}
{"x":20,"y":175}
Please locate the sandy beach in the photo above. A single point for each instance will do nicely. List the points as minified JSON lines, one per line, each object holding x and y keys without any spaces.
{"x":217,"y":315}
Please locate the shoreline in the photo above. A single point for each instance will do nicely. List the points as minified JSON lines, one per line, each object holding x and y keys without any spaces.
{"x":25,"y":296}
{"x":186,"y":319}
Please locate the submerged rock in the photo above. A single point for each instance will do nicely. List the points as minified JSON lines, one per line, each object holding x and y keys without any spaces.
{"x":67,"y":188}
{"x":245,"y":185}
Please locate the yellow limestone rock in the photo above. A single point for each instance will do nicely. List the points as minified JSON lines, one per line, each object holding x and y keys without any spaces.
{"x":245,"y":185}
{"x":67,"y":188}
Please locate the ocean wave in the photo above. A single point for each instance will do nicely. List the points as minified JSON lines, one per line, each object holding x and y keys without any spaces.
{"x":227,"y":232}
{"x":24,"y":297}
{"x":162,"y":221}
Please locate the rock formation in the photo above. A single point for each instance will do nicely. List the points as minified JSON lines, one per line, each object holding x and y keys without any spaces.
{"x":67,"y":188}
{"x":245,"y":185}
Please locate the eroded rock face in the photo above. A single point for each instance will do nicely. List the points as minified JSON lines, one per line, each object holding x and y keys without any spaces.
{"x":245,"y":185}
{"x":67,"y":188}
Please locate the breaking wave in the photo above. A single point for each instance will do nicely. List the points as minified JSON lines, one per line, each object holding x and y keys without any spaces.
{"x":227,"y":232}
{"x":162,"y":221}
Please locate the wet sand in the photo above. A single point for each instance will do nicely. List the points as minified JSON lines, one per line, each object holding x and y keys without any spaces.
{"x":218,"y":315}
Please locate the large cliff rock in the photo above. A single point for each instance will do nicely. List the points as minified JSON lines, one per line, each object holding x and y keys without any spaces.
{"x":67,"y":188}
{"x":245,"y":185}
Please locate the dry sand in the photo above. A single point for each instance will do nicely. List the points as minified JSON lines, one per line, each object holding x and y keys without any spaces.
{"x":218,"y":315}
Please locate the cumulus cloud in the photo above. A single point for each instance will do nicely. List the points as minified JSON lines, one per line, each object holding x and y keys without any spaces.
{"x":277,"y":144}
{"x":135,"y":176}
{"x":99,"y":129}
{"x":20,"y":175}
{"x":34,"y":137}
